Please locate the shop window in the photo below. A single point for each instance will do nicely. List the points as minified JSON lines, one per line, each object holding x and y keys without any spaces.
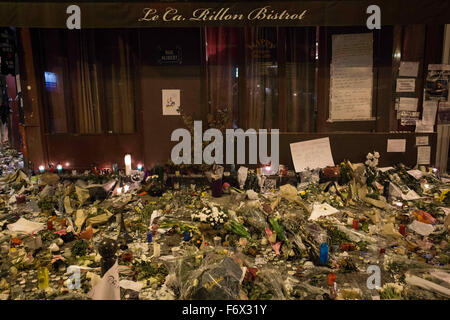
{"x":89,"y":80}
{"x":264,"y":76}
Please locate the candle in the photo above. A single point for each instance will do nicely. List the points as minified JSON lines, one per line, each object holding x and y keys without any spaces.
{"x":139,"y":166}
{"x":323,"y":253}
{"x":41,"y":169}
{"x":331,"y":278}
{"x":127,"y":164}
{"x":355,"y":224}
{"x":59,"y":167}
{"x":156,"y":249}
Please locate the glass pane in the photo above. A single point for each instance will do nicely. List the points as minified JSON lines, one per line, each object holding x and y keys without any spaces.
{"x":223,"y":72}
{"x":261,"y":78}
{"x":301,"y":79}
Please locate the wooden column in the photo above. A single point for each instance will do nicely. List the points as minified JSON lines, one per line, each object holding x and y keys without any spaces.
{"x":35,"y":140}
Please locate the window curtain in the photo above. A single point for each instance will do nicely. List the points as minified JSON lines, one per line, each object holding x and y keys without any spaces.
{"x":301,"y":80}
{"x":222,"y":71}
{"x":261,"y":78}
{"x":95,"y":80}
{"x":118,"y":64}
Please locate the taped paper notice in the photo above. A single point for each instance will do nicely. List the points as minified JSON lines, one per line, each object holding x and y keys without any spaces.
{"x":424,"y":128}
{"x":422,"y":141}
{"x":429,"y":112}
{"x":408,"y":104}
{"x":408,"y":69}
{"x":406,"y":85}
{"x":423,"y":154}
{"x":396,"y":145}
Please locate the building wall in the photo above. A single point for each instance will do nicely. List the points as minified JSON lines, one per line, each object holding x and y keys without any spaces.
{"x":151,"y":143}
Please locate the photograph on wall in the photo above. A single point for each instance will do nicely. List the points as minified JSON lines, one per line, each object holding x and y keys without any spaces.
{"x":171,"y":102}
{"x":437,"y":82}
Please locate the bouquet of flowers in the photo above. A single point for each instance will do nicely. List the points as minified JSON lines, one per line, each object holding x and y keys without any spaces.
{"x":212,"y":215}
{"x":371,"y":167}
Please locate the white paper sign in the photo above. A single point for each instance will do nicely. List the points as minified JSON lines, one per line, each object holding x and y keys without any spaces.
{"x":406,"y":84}
{"x":25,"y":226}
{"x":421,"y":228}
{"x":351,"y":77}
{"x":424,"y":128}
{"x":320,"y":210}
{"x":170,"y":102}
{"x":408,"y":104}
{"x":408,"y":69}
{"x":108,"y":288}
{"x":396,"y":145}
{"x":422,"y":141}
{"x":311,"y":154}
{"x":416,"y":174}
{"x":423,"y":155}
{"x":429,"y":112}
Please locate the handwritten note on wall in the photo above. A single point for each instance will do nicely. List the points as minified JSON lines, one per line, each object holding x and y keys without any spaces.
{"x":311,"y":154}
{"x":351,"y":78}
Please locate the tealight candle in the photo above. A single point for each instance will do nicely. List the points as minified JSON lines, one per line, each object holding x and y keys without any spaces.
{"x":59,"y":167}
{"x":41,"y":169}
{"x":139,"y":167}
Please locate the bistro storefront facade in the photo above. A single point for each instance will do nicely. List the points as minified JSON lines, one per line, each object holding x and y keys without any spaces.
{"x":92,"y":95}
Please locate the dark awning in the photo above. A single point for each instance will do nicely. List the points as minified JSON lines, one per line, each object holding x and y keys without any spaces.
{"x":52,"y":14}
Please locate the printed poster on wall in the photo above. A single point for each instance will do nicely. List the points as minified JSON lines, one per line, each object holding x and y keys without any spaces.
{"x":171,"y":102}
{"x":437,"y":88}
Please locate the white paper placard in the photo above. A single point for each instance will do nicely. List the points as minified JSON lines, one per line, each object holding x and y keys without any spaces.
{"x":422,"y":141}
{"x":171,"y":102}
{"x":408,"y":69}
{"x":408,"y":104}
{"x":423,"y":154}
{"x":406,"y":84}
{"x":423,"y":128}
{"x":311,"y":154}
{"x":396,"y":145}
{"x":429,"y":112}
{"x":351,"y":77}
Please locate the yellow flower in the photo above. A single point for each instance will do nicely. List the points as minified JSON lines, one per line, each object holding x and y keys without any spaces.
{"x":203,"y":194}
{"x":443,"y":195}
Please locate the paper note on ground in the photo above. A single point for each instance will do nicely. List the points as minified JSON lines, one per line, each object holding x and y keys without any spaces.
{"x":408,"y":69}
{"x":108,"y":288}
{"x":128,"y":284}
{"x":384,"y":169}
{"x":311,"y":154}
{"x":321,"y":210}
{"x":421,"y":228}
{"x":423,"y":154}
{"x":415,"y":173}
{"x":396,"y":145}
{"x":26,"y":226}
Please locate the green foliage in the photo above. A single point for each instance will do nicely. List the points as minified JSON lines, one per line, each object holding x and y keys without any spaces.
{"x":79,"y":247}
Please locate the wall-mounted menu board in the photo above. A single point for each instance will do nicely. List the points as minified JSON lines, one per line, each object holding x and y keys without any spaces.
{"x":351,"y":77}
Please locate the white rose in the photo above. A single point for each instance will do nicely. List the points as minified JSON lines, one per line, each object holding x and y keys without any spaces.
{"x":377,"y":155}
{"x":369,"y":155}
